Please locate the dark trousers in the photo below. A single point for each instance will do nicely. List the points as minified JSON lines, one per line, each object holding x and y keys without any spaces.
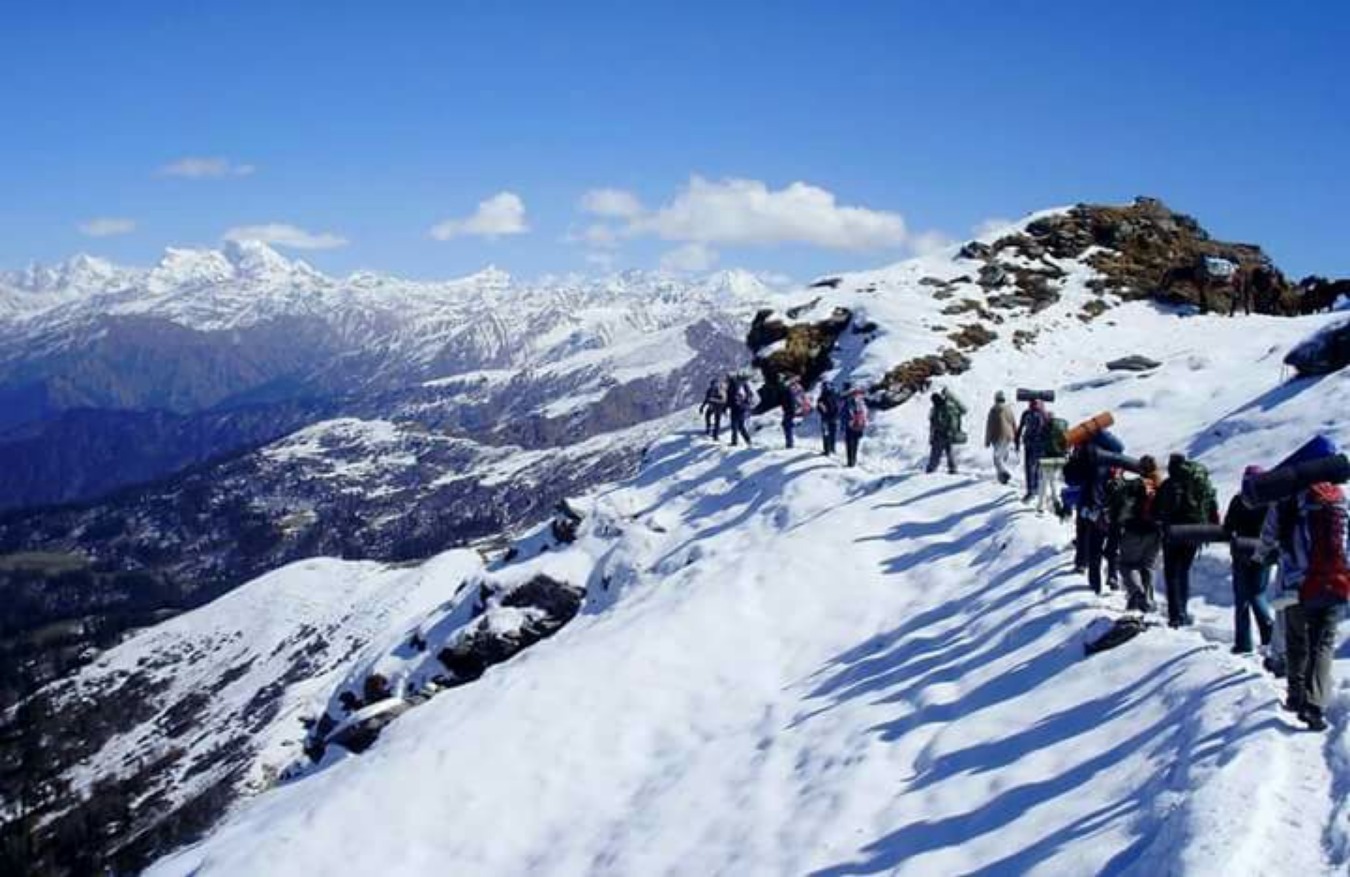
{"x":1111,"y":552}
{"x":738,"y":426}
{"x":1310,"y":643}
{"x":1032,"y":463}
{"x":941,"y":448}
{"x":1094,"y":538}
{"x":1080,"y":540}
{"x":851,"y":440}
{"x":1177,"y":561}
{"x":1249,"y":601}
{"x":829,"y":431}
{"x":789,"y":430}
{"x":712,"y":423}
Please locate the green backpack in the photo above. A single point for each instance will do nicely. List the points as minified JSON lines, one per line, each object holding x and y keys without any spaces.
{"x":1057,"y":438}
{"x":1193,"y":494}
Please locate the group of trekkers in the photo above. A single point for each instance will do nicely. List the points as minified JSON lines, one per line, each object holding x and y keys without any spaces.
{"x":1127,"y":512}
{"x":840,"y":411}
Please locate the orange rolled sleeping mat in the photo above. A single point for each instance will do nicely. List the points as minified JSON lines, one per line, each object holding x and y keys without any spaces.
{"x":1084,"y":431}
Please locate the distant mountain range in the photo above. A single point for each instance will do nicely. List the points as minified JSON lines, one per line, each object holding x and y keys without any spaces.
{"x":111,"y":376}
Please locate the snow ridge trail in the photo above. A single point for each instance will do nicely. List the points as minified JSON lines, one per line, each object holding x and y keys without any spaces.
{"x":786,"y":667}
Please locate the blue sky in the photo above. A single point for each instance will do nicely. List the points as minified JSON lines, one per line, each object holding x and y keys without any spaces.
{"x":355,"y":129}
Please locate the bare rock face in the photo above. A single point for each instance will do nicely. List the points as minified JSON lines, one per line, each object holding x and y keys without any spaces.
{"x":915,"y":376}
{"x":1147,"y":251}
{"x":804,"y":352}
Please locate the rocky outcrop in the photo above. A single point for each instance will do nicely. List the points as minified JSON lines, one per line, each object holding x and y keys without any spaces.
{"x":910,"y":378}
{"x":801,"y":350}
{"x":496,"y":623}
{"x":1145,"y":250}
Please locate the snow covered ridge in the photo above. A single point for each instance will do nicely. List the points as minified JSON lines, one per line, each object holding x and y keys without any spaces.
{"x":783,"y":667}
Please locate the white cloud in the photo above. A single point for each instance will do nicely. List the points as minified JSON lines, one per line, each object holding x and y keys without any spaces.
{"x":502,"y":214}
{"x":599,"y":235}
{"x":281,"y":234}
{"x":928,"y":242}
{"x":616,"y":203}
{"x":199,"y":167}
{"x":992,"y":227}
{"x":747,"y":212}
{"x":690,"y":257}
{"x":107,"y":226}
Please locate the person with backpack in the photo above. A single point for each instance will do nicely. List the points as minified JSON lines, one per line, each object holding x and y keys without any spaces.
{"x":1243,"y":524}
{"x":827,"y":403}
{"x":714,"y":404}
{"x":1186,"y":497}
{"x":1030,"y":440}
{"x":853,"y":418}
{"x":944,"y":430}
{"x":795,"y":403}
{"x":1311,"y":533}
{"x":1133,"y":510}
{"x":999,"y":431}
{"x":1085,"y":471}
{"x":741,"y":400}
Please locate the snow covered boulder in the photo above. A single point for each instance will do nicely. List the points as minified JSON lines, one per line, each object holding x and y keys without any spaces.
{"x":492,"y":618}
{"x":1133,"y":363}
{"x":1324,"y":352}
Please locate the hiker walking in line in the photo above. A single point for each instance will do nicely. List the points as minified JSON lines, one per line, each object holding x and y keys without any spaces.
{"x":827,"y":403}
{"x":1030,"y":440}
{"x":1043,"y":438}
{"x":741,"y":399}
{"x":944,"y":430}
{"x":1133,"y":511}
{"x":853,"y":420}
{"x":1000,"y":431}
{"x":795,"y":403}
{"x":1085,"y":471}
{"x":714,"y":404}
{"x":1243,"y":524}
{"x":1186,"y":497}
{"x":1310,"y":533}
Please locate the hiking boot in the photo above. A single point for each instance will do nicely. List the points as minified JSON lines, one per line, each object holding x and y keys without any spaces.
{"x":1313,"y":718}
{"x":1290,"y":705}
{"x":1274,"y":666}
{"x":1239,"y":650}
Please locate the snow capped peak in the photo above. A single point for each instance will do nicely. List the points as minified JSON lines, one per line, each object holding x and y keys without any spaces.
{"x":257,"y":259}
{"x":490,"y":277}
{"x":737,"y":284}
{"x":182,"y":266}
{"x":81,"y":274}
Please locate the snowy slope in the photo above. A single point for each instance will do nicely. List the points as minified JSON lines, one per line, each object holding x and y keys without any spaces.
{"x":784,"y":667}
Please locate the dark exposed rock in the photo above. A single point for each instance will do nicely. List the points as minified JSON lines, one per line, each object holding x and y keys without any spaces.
{"x":1147,"y":251}
{"x":906,"y":380}
{"x":806,"y":353}
{"x":797,"y":312}
{"x":973,"y":336}
{"x":976,"y":250}
{"x":993,"y":275}
{"x":827,"y":282}
{"x":1133,"y":363}
{"x":1325,"y":352}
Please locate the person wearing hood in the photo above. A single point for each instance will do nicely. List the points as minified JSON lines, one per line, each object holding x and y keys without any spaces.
{"x":1000,"y":430}
{"x":1311,"y":533}
{"x":853,"y":420}
{"x":1243,"y":525}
